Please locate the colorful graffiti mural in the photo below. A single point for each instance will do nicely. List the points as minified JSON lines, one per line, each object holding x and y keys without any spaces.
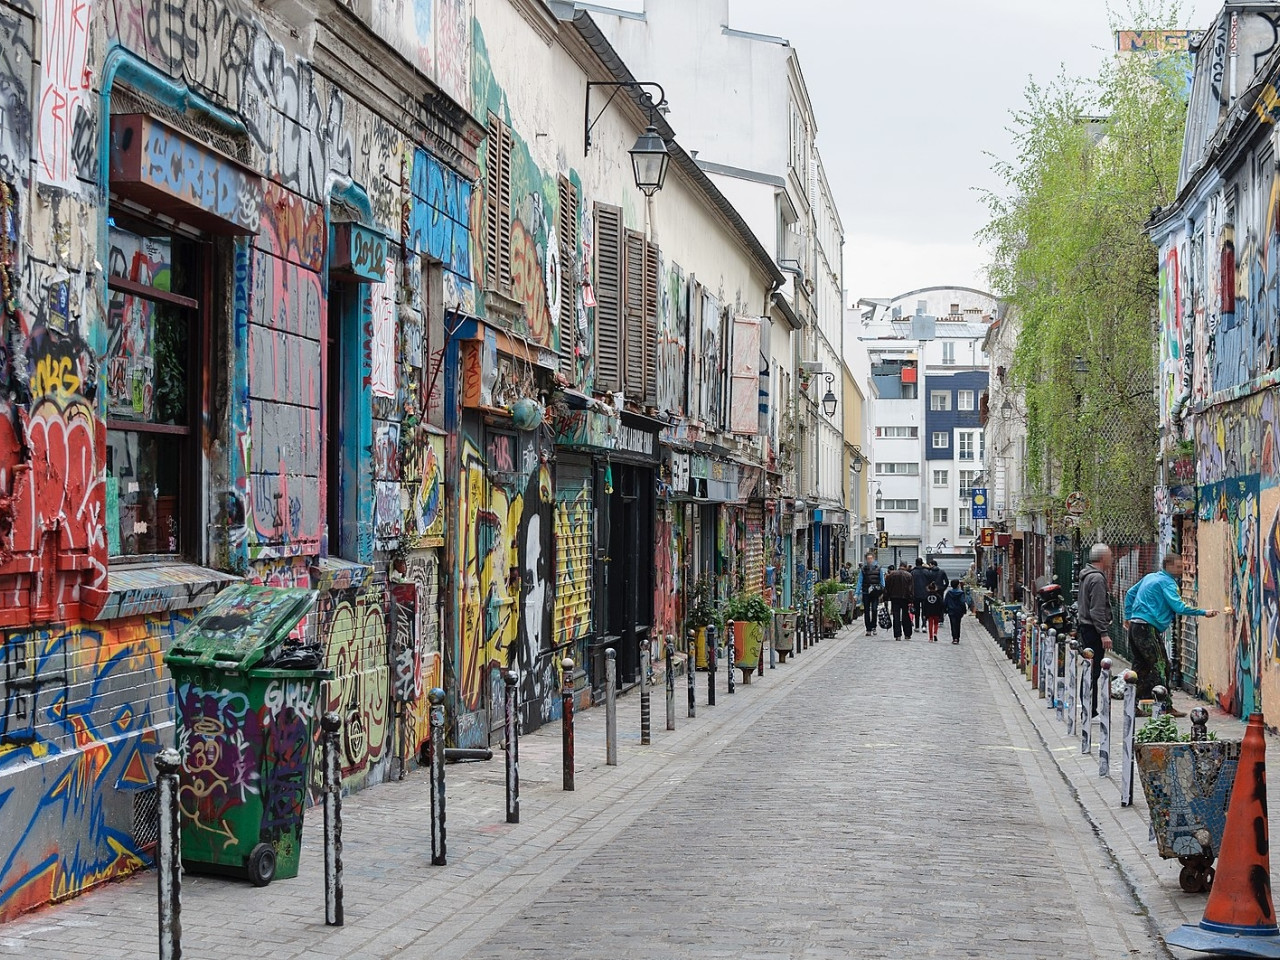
{"x":84,"y":712}
{"x":353,"y":631}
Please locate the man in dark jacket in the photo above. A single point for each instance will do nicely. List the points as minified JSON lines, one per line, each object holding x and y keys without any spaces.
{"x":920,"y":579}
{"x":870,"y":585}
{"x":900,"y":591}
{"x":938,"y":576}
{"x":1093,"y":600}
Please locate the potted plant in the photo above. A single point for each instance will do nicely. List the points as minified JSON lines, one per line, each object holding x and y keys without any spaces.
{"x":1187,"y":784}
{"x":701,"y":614}
{"x":749,"y":613}
{"x":827,"y":593}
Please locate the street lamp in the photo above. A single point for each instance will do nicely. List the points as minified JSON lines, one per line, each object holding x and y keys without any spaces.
{"x":829,"y":398}
{"x":649,"y":160}
{"x":650,"y":156}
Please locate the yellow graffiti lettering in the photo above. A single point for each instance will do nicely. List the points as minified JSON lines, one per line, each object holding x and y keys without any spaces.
{"x":54,"y":376}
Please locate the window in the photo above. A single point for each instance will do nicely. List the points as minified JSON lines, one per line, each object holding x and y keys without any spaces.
{"x":941,"y":478}
{"x":940,"y":517}
{"x":966,"y":521}
{"x":955,"y":309}
{"x":898,"y":506}
{"x":608,"y":291}
{"x":898,"y":433}
{"x":964,"y":399}
{"x":497,"y":206}
{"x":908,"y":391}
{"x":941,"y":440}
{"x":966,"y":483}
{"x":900,"y":469}
{"x":982,"y":445}
{"x":155,"y":278}
{"x":948,"y":352}
{"x":941,"y":399}
{"x":966,"y":445}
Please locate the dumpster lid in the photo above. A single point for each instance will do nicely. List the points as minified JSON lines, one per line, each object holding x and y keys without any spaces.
{"x":242,"y":625}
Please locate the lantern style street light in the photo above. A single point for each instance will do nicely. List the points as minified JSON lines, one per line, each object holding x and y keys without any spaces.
{"x":649,"y":160}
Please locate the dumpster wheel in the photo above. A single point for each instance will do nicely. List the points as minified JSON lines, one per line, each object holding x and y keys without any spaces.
{"x":1196,"y":877}
{"x":262,"y":864}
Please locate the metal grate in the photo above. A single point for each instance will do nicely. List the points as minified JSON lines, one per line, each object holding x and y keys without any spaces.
{"x":146,"y":817}
{"x":127,"y":100}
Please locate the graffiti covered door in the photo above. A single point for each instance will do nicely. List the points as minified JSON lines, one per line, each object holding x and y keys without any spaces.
{"x":574,"y":552}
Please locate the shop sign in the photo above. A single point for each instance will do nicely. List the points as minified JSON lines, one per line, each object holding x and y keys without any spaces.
{"x":988,"y":537}
{"x":358,"y":253}
{"x":633,"y":441}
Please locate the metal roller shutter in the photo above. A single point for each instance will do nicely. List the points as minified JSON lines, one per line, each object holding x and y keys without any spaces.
{"x":574,"y":530}
{"x":753,"y":547}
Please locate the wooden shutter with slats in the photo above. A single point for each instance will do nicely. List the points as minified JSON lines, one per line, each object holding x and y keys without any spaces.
{"x":608,"y":291}
{"x":497,"y":204}
{"x":567,"y":230}
{"x":633,"y":321}
{"x":652,"y":280}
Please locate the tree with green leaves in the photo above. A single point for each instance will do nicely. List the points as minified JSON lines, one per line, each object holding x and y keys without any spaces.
{"x":1071,"y":257}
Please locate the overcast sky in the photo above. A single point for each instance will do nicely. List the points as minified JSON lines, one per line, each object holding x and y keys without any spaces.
{"x":910,"y":99}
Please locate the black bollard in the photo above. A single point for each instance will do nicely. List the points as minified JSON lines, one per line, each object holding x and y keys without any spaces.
{"x":671,"y":682}
{"x":439,"y":853}
{"x":611,"y":707}
{"x":690,"y":671}
{"x":1159,"y":695}
{"x":330,"y":724}
{"x":169,"y":855}
{"x":1199,"y":723}
{"x":729,"y":634}
{"x":711,"y":666}
{"x":511,"y":745}
{"x":566,"y":728}
{"x":646,"y":718}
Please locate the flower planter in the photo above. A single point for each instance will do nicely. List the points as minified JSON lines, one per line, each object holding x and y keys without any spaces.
{"x":1188,"y":787}
{"x":748,"y":640}
{"x":784,"y":638}
{"x":700,"y":647}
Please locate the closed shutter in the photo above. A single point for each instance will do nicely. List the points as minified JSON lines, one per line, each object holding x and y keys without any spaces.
{"x":744,"y":399}
{"x":497,"y":198}
{"x":574,"y":529}
{"x":754,"y":547}
{"x":633,"y":326}
{"x":652,"y":281}
{"x":568,"y":319}
{"x":608,"y":298}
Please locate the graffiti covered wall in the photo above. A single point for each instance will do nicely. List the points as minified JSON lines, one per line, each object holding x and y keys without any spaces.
{"x":85,"y":709}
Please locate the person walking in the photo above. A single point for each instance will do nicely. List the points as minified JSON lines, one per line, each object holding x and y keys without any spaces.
{"x":955,"y":603}
{"x":899,"y":590}
{"x":1149,"y":608}
{"x":870,"y":585}
{"x":920,"y":578}
{"x":1093,"y":600}
{"x":933,"y":610}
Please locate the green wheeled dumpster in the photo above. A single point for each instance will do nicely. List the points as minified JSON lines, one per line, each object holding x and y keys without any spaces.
{"x":247,"y":699}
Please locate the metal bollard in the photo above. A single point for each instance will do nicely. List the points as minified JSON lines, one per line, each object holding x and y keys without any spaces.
{"x":1057,"y":658}
{"x":439,"y":854}
{"x":768,"y":639}
{"x":1041,"y":675}
{"x":169,"y":855}
{"x":711,"y":666}
{"x":671,"y":682}
{"x":611,"y":707}
{"x":330,"y":724}
{"x":511,"y":745}
{"x":690,"y":671}
{"x":729,"y":634}
{"x":1199,"y":723}
{"x":1086,"y":706}
{"x":773,"y":642}
{"x":1158,"y":697}
{"x":1104,"y":719}
{"x":646,"y":734}
{"x":1130,"y":723}
{"x":1073,"y":673}
{"x":566,"y":720}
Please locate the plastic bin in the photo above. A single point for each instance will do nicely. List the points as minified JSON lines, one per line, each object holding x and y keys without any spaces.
{"x":247,"y":703}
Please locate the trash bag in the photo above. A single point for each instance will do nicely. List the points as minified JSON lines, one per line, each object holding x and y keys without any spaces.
{"x":884,"y":618}
{"x":297,"y":655}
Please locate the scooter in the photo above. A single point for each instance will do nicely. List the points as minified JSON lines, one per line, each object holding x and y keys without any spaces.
{"x":1051,"y":610}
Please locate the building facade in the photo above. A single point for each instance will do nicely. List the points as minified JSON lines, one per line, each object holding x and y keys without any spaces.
{"x":1218,"y":500}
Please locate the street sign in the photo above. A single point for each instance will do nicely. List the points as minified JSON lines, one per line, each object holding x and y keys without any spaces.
{"x":979,"y":495}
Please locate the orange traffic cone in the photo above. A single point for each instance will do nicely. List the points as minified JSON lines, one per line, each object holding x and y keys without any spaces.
{"x":1240,"y":917}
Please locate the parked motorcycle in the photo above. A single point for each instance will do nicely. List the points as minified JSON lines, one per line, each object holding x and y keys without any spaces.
{"x":1051,"y":607}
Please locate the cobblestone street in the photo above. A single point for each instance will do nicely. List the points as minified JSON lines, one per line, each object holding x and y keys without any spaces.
{"x":868,"y":799}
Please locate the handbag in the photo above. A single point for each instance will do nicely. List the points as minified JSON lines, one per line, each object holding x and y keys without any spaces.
{"x":884,"y":619}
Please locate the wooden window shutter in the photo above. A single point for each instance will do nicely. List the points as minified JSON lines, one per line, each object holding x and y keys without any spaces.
{"x":633,"y":337}
{"x":567,"y":230}
{"x":497,"y":207}
{"x":608,"y":290}
{"x":504,"y":212}
{"x":652,"y":281}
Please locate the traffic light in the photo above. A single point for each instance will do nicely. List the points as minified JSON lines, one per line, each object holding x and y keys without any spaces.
{"x":884,"y":538}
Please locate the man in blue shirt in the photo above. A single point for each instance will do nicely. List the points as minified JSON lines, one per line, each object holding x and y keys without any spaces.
{"x":1149,"y":608}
